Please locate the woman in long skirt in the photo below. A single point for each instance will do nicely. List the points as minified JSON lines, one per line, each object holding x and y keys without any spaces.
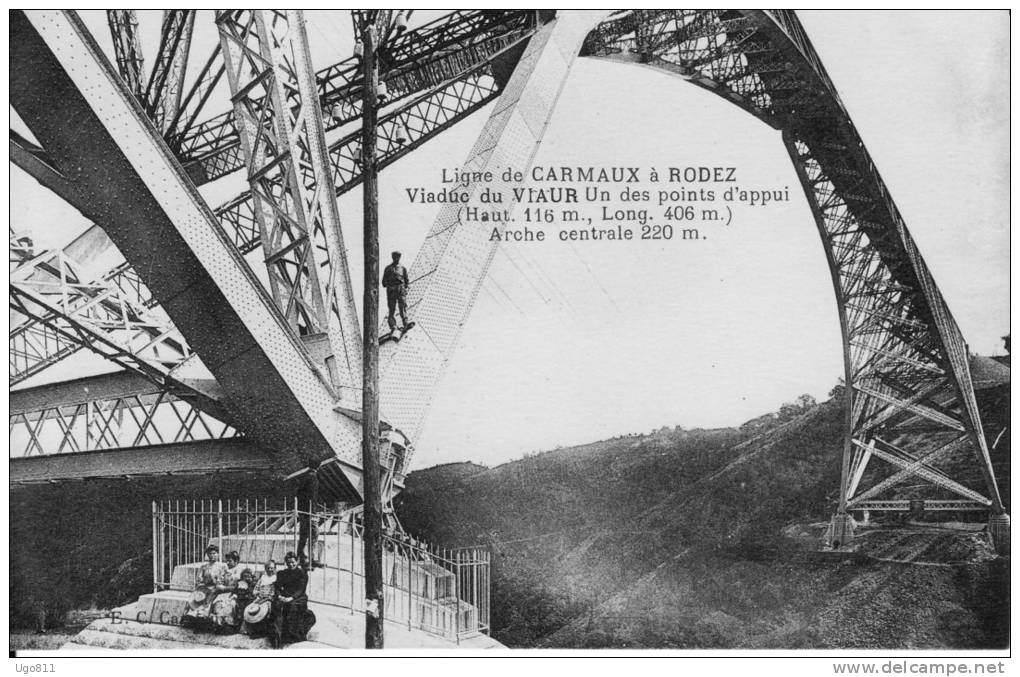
{"x":291,"y":618}
{"x":211,"y":581}
{"x":224,"y":606}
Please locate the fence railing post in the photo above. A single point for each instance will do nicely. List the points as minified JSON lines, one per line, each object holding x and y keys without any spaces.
{"x":350,"y":524}
{"x":219,"y":524}
{"x":340,"y":536}
{"x":456,"y":592}
{"x":488,"y":591}
{"x":297,"y":528}
{"x":155,"y":550}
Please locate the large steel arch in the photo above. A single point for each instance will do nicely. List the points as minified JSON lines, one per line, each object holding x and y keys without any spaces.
{"x":909,"y":397}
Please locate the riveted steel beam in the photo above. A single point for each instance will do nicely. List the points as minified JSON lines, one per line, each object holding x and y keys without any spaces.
{"x":451,"y":264}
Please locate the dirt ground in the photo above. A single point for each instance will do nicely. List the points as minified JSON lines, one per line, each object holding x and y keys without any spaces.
{"x":29,"y":640}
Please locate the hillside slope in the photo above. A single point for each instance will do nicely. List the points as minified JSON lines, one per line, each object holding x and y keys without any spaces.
{"x":699,"y":539}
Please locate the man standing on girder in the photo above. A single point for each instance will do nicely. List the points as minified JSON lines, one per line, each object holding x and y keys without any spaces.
{"x":396,"y":282}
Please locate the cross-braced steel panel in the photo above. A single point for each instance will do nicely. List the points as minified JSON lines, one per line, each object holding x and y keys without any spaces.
{"x":130,"y":420}
{"x":58,"y":311}
{"x":274,"y":95}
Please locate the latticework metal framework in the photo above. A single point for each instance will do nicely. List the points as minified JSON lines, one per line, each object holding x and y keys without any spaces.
{"x":269,"y":70}
{"x":144,"y":418}
{"x":910,"y":400}
{"x":62,"y":310}
{"x":126,"y":46}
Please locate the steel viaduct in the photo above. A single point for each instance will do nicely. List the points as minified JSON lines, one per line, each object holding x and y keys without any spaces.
{"x":225,"y":368}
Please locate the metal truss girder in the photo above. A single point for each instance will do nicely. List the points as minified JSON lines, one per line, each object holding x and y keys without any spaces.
{"x":237,"y":455}
{"x":35,"y":346}
{"x":452,"y":263}
{"x":152,"y":212}
{"x":895,"y":356}
{"x":105,"y":412}
{"x":51,"y":335}
{"x":415,"y":61}
{"x":922,"y":352}
{"x":39,"y":339}
{"x":63,"y":310}
{"x":419,"y":121}
{"x":100,"y":311}
{"x":927,"y":504}
{"x":81,"y":390}
{"x":269,"y":71}
{"x":900,"y":328}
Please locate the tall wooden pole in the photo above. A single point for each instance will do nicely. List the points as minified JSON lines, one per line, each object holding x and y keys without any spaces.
{"x":370,"y":370}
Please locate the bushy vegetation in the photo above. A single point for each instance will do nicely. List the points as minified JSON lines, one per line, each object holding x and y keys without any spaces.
{"x":88,"y":545}
{"x":680,"y":538}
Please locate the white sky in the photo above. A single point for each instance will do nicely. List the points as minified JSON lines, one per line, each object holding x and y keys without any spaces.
{"x":704,"y":334}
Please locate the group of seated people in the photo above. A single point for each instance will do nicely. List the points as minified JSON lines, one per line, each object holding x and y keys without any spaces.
{"x":229,"y":599}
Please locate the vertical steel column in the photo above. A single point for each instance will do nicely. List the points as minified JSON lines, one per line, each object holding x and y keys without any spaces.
{"x":351,"y":528}
{"x":841,"y":529}
{"x":455,"y":257}
{"x":343,"y":325}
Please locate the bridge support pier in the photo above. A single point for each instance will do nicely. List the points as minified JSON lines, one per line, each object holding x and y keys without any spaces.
{"x":998,"y":528}
{"x":840,"y":532}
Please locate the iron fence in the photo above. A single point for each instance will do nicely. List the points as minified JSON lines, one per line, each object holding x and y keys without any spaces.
{"x":444,"y":592}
